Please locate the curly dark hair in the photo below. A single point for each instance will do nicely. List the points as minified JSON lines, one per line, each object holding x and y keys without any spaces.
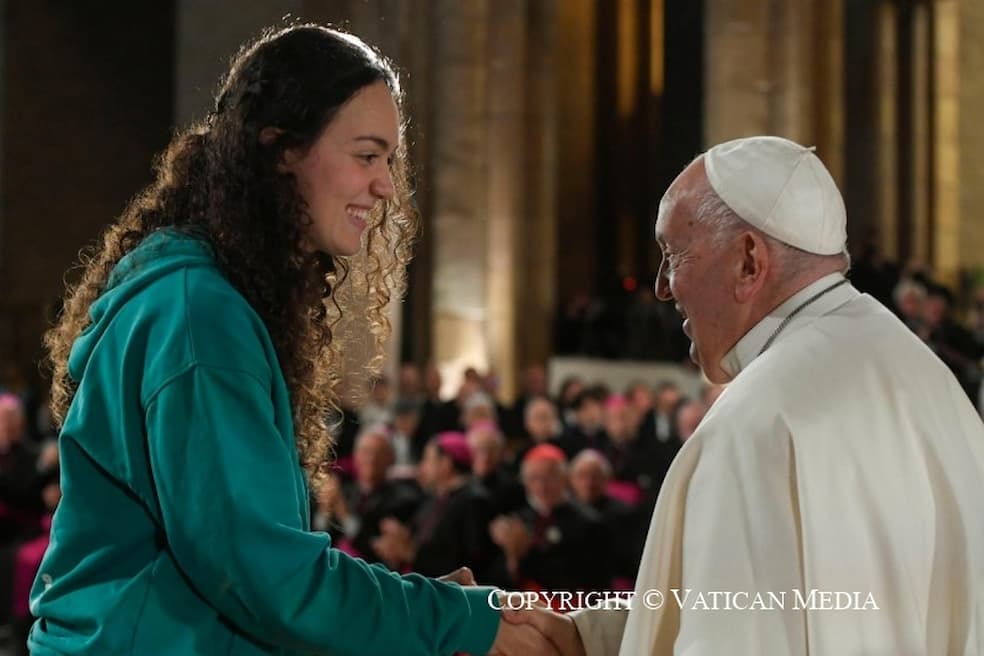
{"x":220,"y":180}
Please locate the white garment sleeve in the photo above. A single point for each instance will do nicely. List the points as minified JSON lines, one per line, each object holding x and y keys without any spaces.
{"x":600,"y":630}
{"x":741,"y":543}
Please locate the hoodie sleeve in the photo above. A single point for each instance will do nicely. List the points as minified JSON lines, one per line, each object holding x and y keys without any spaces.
{"x":224,"y":479}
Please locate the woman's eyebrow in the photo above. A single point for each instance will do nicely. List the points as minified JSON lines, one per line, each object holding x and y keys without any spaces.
{"x":379,"y":141}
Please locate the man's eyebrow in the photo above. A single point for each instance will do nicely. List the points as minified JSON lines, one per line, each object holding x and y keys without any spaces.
{"x":379,"y":141}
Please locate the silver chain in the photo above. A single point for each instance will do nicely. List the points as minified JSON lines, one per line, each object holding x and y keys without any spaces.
{"x":799,"y":309}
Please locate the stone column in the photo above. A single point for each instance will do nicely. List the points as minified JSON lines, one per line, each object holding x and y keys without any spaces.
{"x":457,"y":168}
{"x":887,"y":199}
{"x":538,"y":225}
{"x":947,"y":218}
{"x":970,"y":140}
{"x":506,"y":128}
{"x":774,"y":68}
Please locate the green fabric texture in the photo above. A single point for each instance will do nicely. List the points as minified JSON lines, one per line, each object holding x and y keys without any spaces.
{"x":184,"y":526}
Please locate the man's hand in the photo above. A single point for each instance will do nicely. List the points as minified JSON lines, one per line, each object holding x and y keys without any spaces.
{"x":521,"y":640}
{"x":513,"y":538}
{"x":559,"y":629}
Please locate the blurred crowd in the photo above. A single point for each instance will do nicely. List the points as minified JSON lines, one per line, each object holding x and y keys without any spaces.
{"x":549,"y":493}
{"x":29,"y":494}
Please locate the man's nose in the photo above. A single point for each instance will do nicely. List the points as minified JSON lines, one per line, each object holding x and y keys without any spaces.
{"x":663,"y":292}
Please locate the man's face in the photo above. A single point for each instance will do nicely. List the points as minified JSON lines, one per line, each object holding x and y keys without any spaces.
{"x":934,"y":310}
{"x":545,"y":482}
{"x":431,"y":470}
{"x":535,"y":381}
{"x":486,"y":451}
{"x":373,"y":457}
{"x":698,"y":276}
{"x":588,"y":480}
{"x":541,"y":420}
{"x":590,"y":415}
{"x":618,"y":425}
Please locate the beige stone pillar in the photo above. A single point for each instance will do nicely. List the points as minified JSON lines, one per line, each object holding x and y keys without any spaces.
{"x":919,"y":195}
{"x":536,"y":291}
{"x":507,"y":122}
{"x":575,"y":129}
{"x":774,"y":68}
{"x":946,"y":130}
{"x":887,"y":151}
{"x":458,"y":171}
{"x":970,"y":94}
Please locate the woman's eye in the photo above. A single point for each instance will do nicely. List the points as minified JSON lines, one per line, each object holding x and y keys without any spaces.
{"x":369,"y":158}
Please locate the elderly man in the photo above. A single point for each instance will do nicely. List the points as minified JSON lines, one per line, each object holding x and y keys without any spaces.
{"x":837,"y":482}
{"x":551,"y":543}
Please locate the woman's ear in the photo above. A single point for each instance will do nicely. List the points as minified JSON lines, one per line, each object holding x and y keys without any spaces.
{"x":754,"y":266}
{"x":269,"y":134}
{"x":268,"y":137}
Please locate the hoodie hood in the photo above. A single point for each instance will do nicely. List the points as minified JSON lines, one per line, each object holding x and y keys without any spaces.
{"x":159,"y":254}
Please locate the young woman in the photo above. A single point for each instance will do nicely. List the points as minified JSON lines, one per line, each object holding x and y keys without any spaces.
{"x":194,"y":366}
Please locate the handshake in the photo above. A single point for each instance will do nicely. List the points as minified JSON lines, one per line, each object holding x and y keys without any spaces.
{"x":533,"y":630}
{"x":536,"y":630}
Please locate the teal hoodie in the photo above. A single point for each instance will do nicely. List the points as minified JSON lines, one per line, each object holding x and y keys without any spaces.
{"x":184,"y":525}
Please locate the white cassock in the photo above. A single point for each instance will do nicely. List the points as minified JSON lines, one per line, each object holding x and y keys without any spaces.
{"x":844,"y":459}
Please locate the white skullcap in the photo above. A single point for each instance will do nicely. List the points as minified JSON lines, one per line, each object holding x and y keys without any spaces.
{"x":782,"y":189}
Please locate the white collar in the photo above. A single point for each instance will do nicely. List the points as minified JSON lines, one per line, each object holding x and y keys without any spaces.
{"x":750,"y":345}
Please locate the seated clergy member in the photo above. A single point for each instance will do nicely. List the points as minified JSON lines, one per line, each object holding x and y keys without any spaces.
{"x":352,"y":512}
{"x":450,"y":528}
{"x":487,"y":445}
{"x":551,"y":543}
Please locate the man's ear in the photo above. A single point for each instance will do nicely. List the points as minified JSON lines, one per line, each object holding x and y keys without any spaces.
{"x":754,"y":265}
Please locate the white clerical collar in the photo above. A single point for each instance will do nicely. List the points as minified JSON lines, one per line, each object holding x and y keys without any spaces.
{"x":750,"y":346}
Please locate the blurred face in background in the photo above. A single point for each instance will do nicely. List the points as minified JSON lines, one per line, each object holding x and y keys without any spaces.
{"x":13,"y":423}
{"x":535,"y":381}
{"x":406,"y":423}
{"x":432,"y":382}
{"x":934,"y":309}
{"x":410,"y":383}
{"x":373,"y":457}
{"x":545,"y":482}
{"x":618,"y":422}
{"x":486,"y":447}
{"x":591,"y":414}
{"x":541,"y":420}
{"x":435,"y":467}
{"x":667,"y":399}
{"x":688,"y":418}
{"x":589,"y":476}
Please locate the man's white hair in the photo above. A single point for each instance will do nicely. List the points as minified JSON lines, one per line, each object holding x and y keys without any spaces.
{"x":591,"y":455}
